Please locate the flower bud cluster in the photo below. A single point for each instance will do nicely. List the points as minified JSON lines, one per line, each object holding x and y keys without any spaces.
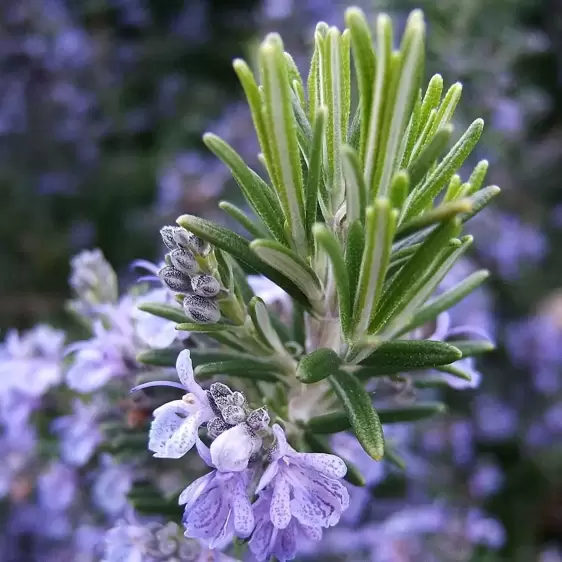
{"x":182,"y":274}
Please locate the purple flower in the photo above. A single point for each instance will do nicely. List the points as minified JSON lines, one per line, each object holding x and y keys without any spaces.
{"x":304,"y":485}
{"x":231,"y":450}
{"x":174,"y":429}
{"x":57,"y":487}
{"x":217,"y":506}
{"x":111,"y":486}
{"x":269,"y":540}
{"x":79,"y":432}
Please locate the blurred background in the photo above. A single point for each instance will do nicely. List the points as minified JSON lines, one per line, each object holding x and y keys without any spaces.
{"x":102,"y":107}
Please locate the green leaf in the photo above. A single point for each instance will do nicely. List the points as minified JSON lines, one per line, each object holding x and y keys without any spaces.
{"x":453,"y":190}
{"x":408,"y":355}
{"x":480,"y":199}
{"x":447,"y":108}
{"x":424,"y":195}
{"x":432,"y":97}
{"x":446,"y":300}
{"x":254,"y":194}
{"x":411,"y":413}
{"x":313,"y":82}
{"x":362,"y":416}
{"x":314,"y":177}
{"x":241,"y":281}
{"x":379,"y":229}
{"x":238,"y":248}
{"x":164,"y":311}
{"x":255,"y":370}
{"x":392,"y":457}
{"x":318,"y":444}
{"x":456,"y":371}
{"x":159,"y":357}
{"x":469,"y":348}
{"x":202,"y":356}
{"x":364,"y":60}
{"x":441,"y":213}
{"x":292,"y":266}
{"x":252,"y":227}
{"x":353,"y":255}
{"x":476,"y":179}
{"x":411,"y":278}
{"x":298,"y":325}
{"x":282,"y":130}
{"x":328,"y":241}
{"x":333,"y":422}
{"x":355,"y":189}
{"x":202,"y":328}
{"x":318,"y":365}
{"x":304,"y":130}
{"x":399,"y":105}
{"x":427,"y":157}
{"x":262,"y":323}
{"x":399,"y":189}
{"x":372,"y":145}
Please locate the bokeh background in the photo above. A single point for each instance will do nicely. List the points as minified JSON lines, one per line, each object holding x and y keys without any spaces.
{"x":102,"y":106}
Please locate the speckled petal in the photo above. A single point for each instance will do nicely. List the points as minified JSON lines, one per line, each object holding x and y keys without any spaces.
{"x":281,"y":445}
{"x":268,"y":476}
{"x":260,"y":543}
{"x":195,"y":489}
{"x":167,"y":420}
{"x":242,"y":508}
{"x":328,"y":465}
{"x":207,"y":516}
{"x":183,"y":438}
{"x":280,"y":509}
{"x":286,"y":543}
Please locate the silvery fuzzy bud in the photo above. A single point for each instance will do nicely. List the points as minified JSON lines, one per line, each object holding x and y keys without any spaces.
{"x":258,"y":419}
{"x":216,"y":426}
{"x":175,"y":280}
{"x":184,"y":261}
{"x":181,"y":237}
{"x":233,"y":415}
{"x":205,"y":285}
{"x":237,"y":398}
{"x":167,"y":234}
{"x":221,"y":394}
{"x":189,"y":240}
{"x":201,"y":310}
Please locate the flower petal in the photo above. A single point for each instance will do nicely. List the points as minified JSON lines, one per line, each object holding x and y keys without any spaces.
{"x":280,"y":509}
{"x":328,"y":465}
{"x":311,"y":533}
{"x":204,"y":452}
{"x":183,"y":438}
{"x":286,"y":543}
{"x":167,"y":420}
{"x":231,"y":450}
{"x":242,"y":508}
{"x":195,"y":489}
{"x":268,"y":476}
{"x":281,"y":445}
{"x":260,"y":543}
{"x":206,"y":517}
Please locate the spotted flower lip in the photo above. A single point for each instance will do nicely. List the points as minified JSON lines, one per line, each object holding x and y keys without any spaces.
{"x":217,"y":506}
{"x":304,"y":485}
{"x":174,"y":429}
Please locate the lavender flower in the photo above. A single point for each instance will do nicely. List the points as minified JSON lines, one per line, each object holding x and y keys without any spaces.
{"x":92,"y":278}
{"x":174,"y":428}
{"x":111,"y":486}
{"x":304,"y":485}
{"x":57,"y":487}
{"x":217,"y":506}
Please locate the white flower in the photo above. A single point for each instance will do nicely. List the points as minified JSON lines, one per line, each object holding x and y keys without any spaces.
{"x":175,"y":425}
{"x":231,"y":450}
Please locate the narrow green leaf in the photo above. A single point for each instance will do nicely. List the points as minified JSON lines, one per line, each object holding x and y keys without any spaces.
{"x":241,"y":281}
{"x":435,"y":182}
{"x":480,"y":199}
{"x":454,"y":189}
{"x":251,"y":226}
{"x":476,"y":179}
{"x":255,"y":370}
{"x":203,"y":356}
{"x":356,"y":191}
{"x":313,"y":81}
{"x":328,"y":241}
{"x":201,"y":328}
{"x":399,"y":189}
{"x":432,"y":97}
{"x":412,"y":413}
{"x":304,"y":130}
{"x":314,"y":177}
{"x":281,"y":126}
{"x":364,"y":60}
{"x":392,"y":457}
{"x":362,"y":416}
{"x":447,"y":300}
{"x":447,"y":108}
{"x":295,"y":78}
{"x":159,"y":357}
{"x":353,"y":255}
{"x":411,"y":135}
{"x":238,"y":247}
{"x":427,"y":157}
{"x":345,"y":82}
{"x":423,"y":137}
{"x":333,"y":422}
{"x":400,"y":356}
{"x":443,"y":212}
{"x":255,"y":196}
{"x":468,"y":348}
{"x":409,"y":279}
{"x":262,"y":323}
{"x":380,"y":224}
{"x":292,"y":266}
{"x":298,"y":325}
{"x":318,"y":365}
{"x":399,"y":106}
{"x":317,"y":444}
{"x":164,"y":311}
{"x":375,"y":124}
{"x":253,"y":96}
{"x":354,"y":134}
{"x":456,"y":371}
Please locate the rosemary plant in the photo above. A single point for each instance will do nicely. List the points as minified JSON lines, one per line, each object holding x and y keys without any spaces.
{"x":359,"y":210}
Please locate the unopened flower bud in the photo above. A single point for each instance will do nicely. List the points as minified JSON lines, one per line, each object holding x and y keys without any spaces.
{"x":189,"y":240}
{"x":167,"y":233}
{"x":205,"y":285}
{"x":233,"y":415}
{"x":175,"y":280}
{"x":201,"y":310}
{"x":184,"y":260}
{"x":181,"y":237}
{"x":237,"y":398}
{"x":258,"y":419}
{"x":216,"y":426}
